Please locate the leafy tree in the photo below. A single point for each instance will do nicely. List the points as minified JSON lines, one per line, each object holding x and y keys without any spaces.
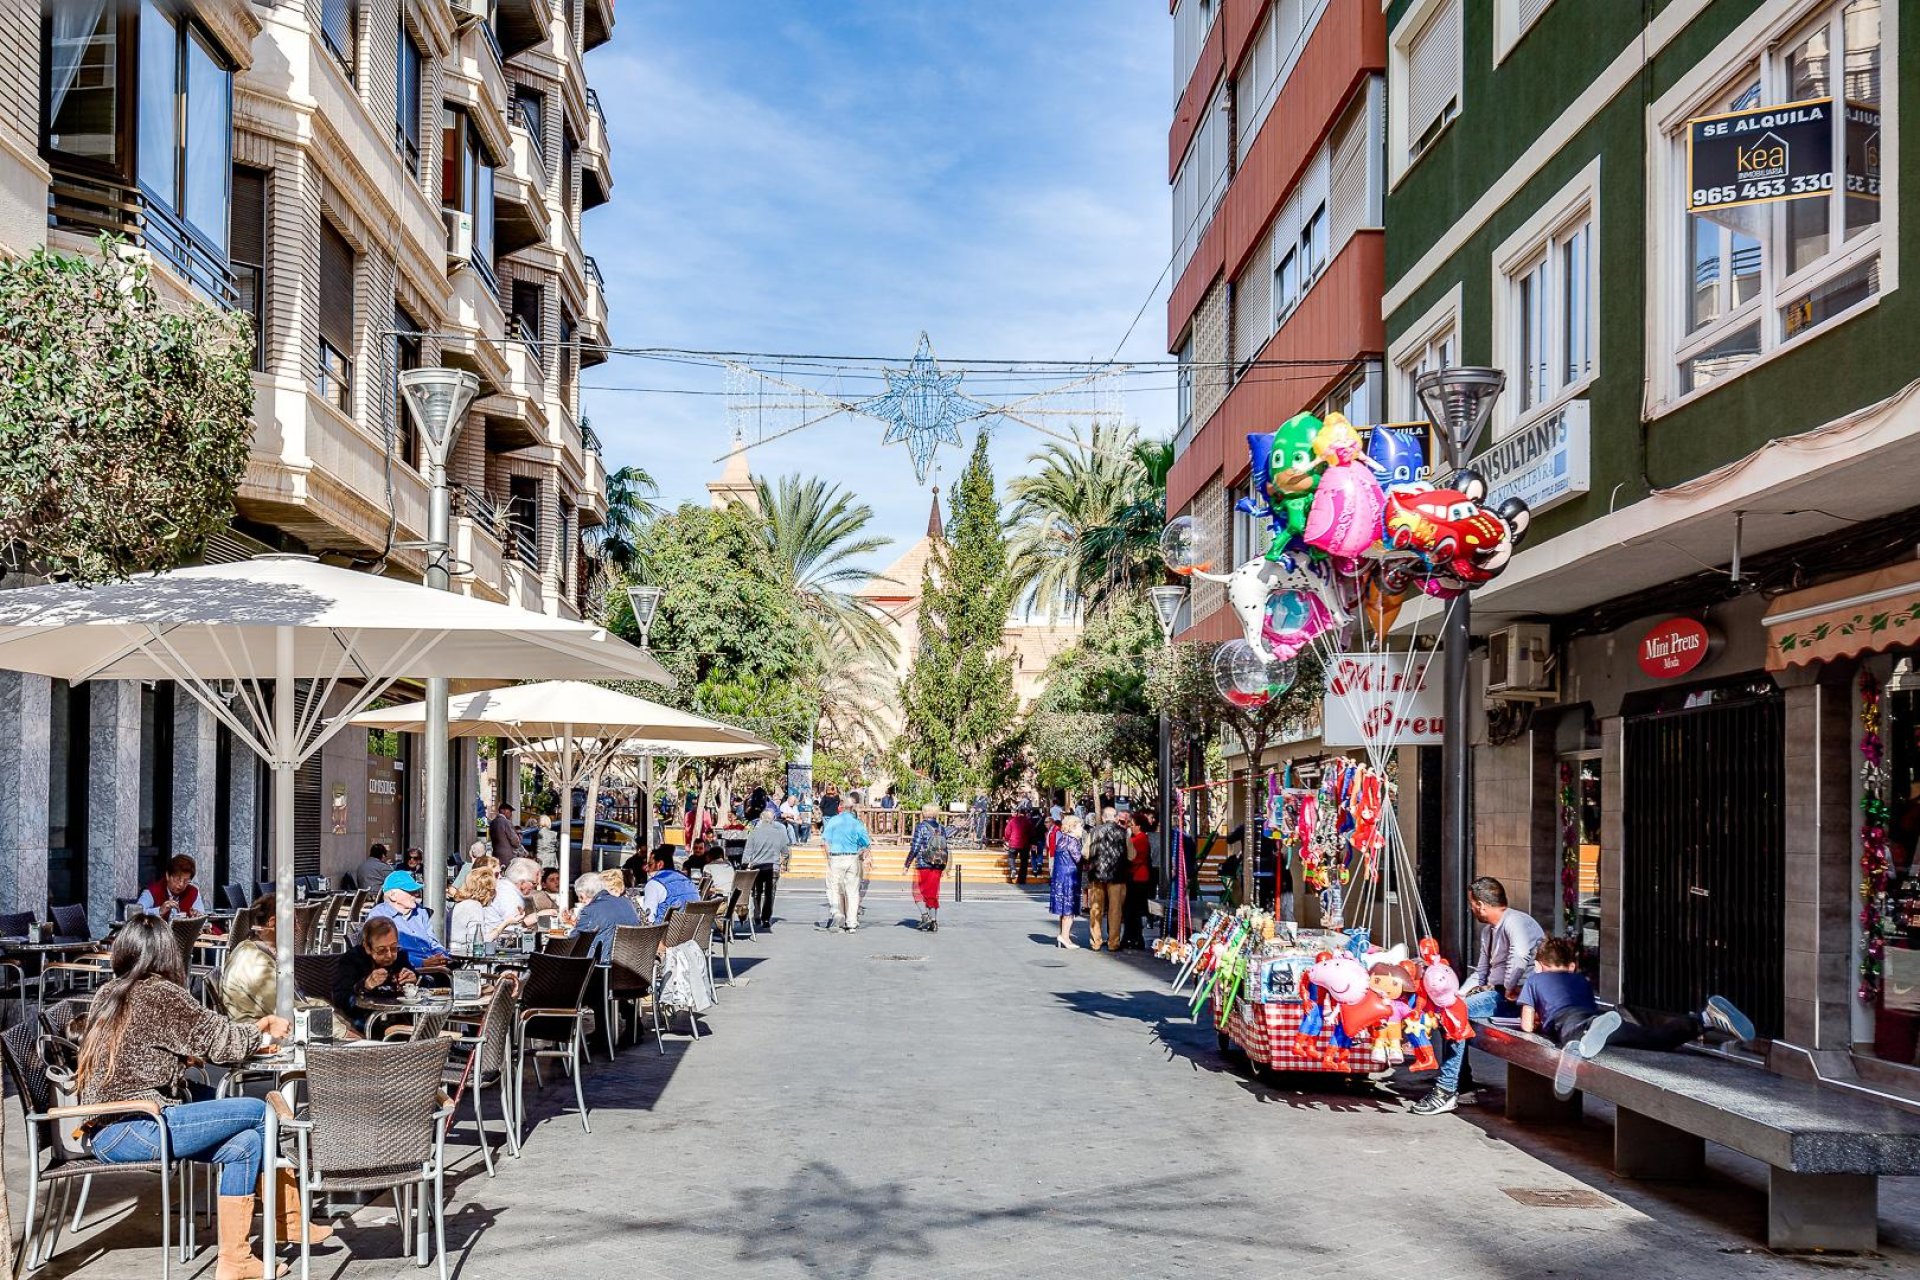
{"x":1094,"y":719}
{"x":1087,"y":520}
{"x":726,"y":628}
{"x":630,"y":505}
{"x":1120,"y":558}
{"x":958,"y":696}
{"x":815,"y":532}
{"x":124,"y":421}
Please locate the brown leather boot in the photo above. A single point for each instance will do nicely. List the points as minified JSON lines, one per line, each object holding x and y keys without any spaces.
{"x":293,"y":1220}
{"x":236,"y":1257}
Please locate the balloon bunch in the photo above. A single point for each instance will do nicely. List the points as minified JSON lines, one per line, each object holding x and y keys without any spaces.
{"x":1352,"y":526}
{"x":1383,"y":998}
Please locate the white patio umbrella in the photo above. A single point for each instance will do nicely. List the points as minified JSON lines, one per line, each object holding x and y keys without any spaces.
{"x":579,"y":729}
{"x":223,"y":631}
{"x":633,"y":760}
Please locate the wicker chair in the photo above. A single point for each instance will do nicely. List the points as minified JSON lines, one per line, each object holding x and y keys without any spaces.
{"x":67,"y":1160}
{"x":58,"y":1019}
{"x":488,"y":1052}
{"x":633,"y":964}
{"x":691,"y":923}
{"x":574,"y":944}
{"x":741,"y":902}
{"x":306,"y":927}
{"x":14,"y":924}
{"x":374,"y":1119}
{"x":233,"y":897}
{"x":314,"y":975}
{"x":70,"y":923}
{"x":553,"y":1010}
{"x":704,"y":915}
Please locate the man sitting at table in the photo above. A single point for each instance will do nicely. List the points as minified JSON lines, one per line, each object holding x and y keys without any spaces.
{"x":600,"y":913}
{"x":400,"y":903}
{"x":374,"y":969}
{"x":666,"y":888}
{"x":518,"y":882}
{"x":173,"y":894}
{"x":373,"y":872}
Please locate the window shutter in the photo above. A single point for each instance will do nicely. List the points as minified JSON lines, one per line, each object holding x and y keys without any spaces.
{"x":1347,"y":206}
{"x":1433,"y":70}
{"x":1526,"y":11}
{"x":247,"y":234}
{"x":336,"y":290}
{"x":1253,"y":302}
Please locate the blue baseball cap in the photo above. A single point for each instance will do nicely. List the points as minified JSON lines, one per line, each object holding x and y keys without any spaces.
{"x":402,"y":880}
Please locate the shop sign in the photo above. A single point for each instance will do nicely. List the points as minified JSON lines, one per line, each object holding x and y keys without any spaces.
{"x":1762,"y":154}
{"x":1544,"y":464}
{"x":1383,"y":700}
{"x":1674,"y":647}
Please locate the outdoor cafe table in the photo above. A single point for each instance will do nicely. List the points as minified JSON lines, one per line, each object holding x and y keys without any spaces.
{"x":40,"y":953}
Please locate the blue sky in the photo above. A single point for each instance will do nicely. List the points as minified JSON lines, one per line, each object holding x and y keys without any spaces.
{"x":836,"y":177}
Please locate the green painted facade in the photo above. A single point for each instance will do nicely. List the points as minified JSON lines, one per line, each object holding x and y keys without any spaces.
{"x":1504,"y":109}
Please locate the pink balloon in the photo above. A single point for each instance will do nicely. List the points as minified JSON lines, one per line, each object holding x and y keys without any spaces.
{"x":1345,"y":517}
{"x":1286,"y":642}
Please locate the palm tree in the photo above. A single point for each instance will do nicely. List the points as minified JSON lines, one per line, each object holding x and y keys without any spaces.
{"x":815,"y":532}
{"x":630,"y":505}
{"x":1087,"y":522}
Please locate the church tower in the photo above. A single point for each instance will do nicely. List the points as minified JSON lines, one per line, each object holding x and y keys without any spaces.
{"x":736,"y":481}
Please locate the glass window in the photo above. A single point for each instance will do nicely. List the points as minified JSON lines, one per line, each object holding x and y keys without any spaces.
{"x":1437,"y":352}
{"x":406,"y":109}
{"x":336,"y":29}
{"x":1550,"y":303}
{"x":1185,"y":384}
{"x":247,"y":253}
{"x":209,"y":158}
{"x":158,"y":129}
{"x":1313,"y":241}
{"x":407,"y":351}
{"x":1286,"y":282}
{"x":466,"y":179}
{"x":81,"y":93}
{"x":1761,"y":274}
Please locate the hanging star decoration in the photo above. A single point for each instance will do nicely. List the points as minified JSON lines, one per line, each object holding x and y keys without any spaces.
{"x":922,"y":407}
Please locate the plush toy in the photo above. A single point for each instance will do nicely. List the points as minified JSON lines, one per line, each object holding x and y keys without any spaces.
{"x":1392,"y":984}
{"x":1440,"y":989}
{"x":1369,"y":799}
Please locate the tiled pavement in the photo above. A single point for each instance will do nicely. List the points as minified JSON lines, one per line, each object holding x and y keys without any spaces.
{"x":977,"y":1103}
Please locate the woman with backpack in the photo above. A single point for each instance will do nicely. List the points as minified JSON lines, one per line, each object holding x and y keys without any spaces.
{"x":927,"y":857}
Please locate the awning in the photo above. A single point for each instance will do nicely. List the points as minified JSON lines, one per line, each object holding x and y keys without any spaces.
{"x":1861,"y":614}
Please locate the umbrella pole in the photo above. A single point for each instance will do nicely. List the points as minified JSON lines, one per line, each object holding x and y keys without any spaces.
{"x":283,"y":770}
{"x":435,"y":763}
{"x":566,"y":812}
{"x":648,"y":806}
{"x":589,"y":860}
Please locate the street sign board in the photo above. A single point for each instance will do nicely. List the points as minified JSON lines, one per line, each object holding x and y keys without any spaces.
{"x":1543,"y":464}
{"x":1383,"y":700}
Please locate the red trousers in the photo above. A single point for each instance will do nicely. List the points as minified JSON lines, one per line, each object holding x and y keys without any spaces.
{"x":926,"y":887}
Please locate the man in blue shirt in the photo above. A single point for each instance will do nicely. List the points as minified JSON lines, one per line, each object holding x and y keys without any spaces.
{"x":400,"y":903}
{"x":600,"y":913}
{"x":846,"y":839}
{"x":666,"y":887}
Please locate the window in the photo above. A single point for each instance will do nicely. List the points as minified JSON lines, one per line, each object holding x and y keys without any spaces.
{"x":333,"y":362}
{"x":1192,"y":20}
{"x":569,"y":358}
{"x":1270,"y":58}
{"x":523,"y":519}
{"x":530,"y":109}
{"x":406,"y":103}
{"x":1184,"y":383}
{"x":569,"y":171}
{"x":1201,"y":181}
{"x":1431,"y":342}
{"x":247,"y":252}
{"x":1430,"y":60}
{"x":1357,"y":397}
{"x":407,"y":354}
{"x":1286,"y":282}
{"x":524,"y":322}
{"x":183,"y":150}
{"x":1758,"y":275}
{"x":1511,"y":20}
{"x":336,"y":31}
{"x":81,"y":93}
{"x":1551,"y":315}
{"x":466,"y":182}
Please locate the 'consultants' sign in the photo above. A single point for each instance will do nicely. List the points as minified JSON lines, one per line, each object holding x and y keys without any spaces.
{"x":1381,"y":700}
{"x":1543,"y":464}
{"x":1761,"y":155}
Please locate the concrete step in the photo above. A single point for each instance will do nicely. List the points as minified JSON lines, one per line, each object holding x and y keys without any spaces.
{"x":809,"y":862}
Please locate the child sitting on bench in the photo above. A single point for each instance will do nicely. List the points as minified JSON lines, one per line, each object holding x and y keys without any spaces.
{"x":1557,"y":1001}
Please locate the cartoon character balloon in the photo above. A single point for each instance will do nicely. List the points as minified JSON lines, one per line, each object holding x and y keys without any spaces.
{"x":1293,"y":474}
{"x":1344,"y":519}
{"x":1398,"y":456}
{"x":1459,"y":539}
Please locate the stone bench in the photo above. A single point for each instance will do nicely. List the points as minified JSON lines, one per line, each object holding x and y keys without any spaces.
{"x":1825,"y":1149}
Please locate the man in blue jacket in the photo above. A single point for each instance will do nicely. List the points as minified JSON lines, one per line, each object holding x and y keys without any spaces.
{"x":400,"y":903}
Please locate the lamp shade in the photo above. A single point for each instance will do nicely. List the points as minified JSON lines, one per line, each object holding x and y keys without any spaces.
{"x":1458,"y":402}
{"x":438,"y":399}
{"x":645,"y":600}
{"x":1167,"y":602}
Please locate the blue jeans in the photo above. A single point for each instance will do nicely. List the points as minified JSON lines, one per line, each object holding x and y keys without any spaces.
{"x":230,"y":1132}
{"x":1481,"y":1004}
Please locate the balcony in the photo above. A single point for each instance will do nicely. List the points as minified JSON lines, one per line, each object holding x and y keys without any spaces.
{"x":520,"y":214}
{"x":321,"y":477}
{"x":475,"y":327}
{"x":593,"y":319}
{"x":593,"y":489}
{"x":598,"y":26}
{"x":596,"y":172}
{"x":573,"y":92}
{"x":515,"y":412}
{"x":89,"y":206}
{"x":573,"y":265}
{"x":521,"y":24}
{"x":477,"y":558}
{"x":476,"y":81}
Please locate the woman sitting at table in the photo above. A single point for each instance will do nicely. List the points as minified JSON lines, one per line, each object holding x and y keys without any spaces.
{"x":173,"y":894}
{"x":249,"y":982}
{"x":477,"y":908}
{"x":141,"y":1033}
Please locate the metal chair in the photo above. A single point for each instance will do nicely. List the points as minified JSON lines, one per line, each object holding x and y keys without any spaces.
{"x":325,"y":932}
{"x":741,"y":907}
{"x":374,"y":1119}
{"x":691,"y":923}
{"x":51,"y":1130}
{"x":70,"y":923}
{"x":488,"y":1051}
{"x":306,"y":926}
{"x":632,"y":966}
{"x":553,"y":1010}
{"x":702,"y":916}
{"x":233,"y":897}
{"x":723,"y":922}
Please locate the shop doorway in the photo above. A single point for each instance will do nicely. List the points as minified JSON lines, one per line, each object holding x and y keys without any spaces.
{"x":1703,"y":879}
{"x":1577,"y":914}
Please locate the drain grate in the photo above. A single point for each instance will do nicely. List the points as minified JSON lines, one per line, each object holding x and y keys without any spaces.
{"x":1558,"y":1198}
{"x":907,"y":959}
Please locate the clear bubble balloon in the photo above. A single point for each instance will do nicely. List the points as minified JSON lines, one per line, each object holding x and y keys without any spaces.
{"x":1185,"y":545}
{"x":1246,"y":679}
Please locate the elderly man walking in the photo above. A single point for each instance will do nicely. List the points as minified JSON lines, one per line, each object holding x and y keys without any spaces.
{"x":767,"y":850}
{"x":846,"y":839}
{"x":1106,"y":881}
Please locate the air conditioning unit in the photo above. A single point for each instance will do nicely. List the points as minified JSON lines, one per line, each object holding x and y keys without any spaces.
{"x":459,"y":236}
{"x":466,"y":12}
{"x":1520,"y":658}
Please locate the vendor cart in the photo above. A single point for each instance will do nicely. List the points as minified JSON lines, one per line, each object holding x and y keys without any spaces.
{"x":1265,"y":1033}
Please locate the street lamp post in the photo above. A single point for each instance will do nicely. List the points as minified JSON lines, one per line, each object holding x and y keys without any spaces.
{"x":1458,"y":402}
{"x":438,"y":400}
{"x":1167,"y":603}
{"x":645,"y":600}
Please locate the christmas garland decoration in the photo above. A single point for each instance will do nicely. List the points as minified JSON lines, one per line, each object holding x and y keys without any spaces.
{"x":1876,"y":865}
{"x":1569,"y":850}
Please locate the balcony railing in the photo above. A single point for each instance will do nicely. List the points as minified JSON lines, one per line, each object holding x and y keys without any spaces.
{"x":593,"y":105}
{"x":476,"y":506}
{"x":589,"y":438}
{"x":81,"y":203}
{"x":530,"y":121}
{"x":525,"y":331}
{"x":593,"y":273}
{"x":526,"y":543}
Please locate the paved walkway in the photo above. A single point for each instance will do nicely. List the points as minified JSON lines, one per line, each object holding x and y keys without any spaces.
{"x":977,"y":1103}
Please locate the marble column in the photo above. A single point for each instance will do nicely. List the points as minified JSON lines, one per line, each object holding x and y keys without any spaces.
{"x":196,"y":743}
{"x":25,"y":744}
{"x":243,"y":819}
{"x":113,"y":798}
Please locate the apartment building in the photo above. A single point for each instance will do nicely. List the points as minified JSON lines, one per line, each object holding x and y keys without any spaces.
{"x":1672,"y":228}
{"x":381,"y":185}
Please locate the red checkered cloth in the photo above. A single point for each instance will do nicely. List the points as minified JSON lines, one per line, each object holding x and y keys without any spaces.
{"x":1266,"y":1033}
